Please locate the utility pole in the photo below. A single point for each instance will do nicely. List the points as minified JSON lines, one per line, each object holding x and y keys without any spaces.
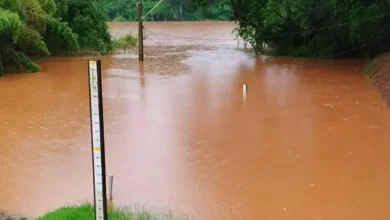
{"x":140,"y":32}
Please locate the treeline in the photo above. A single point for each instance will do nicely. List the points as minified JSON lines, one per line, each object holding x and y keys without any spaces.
{"x":43,"y":27}
{"x":326,"y":29}
{"x":169,"y":10}
{"x":31,"y":28}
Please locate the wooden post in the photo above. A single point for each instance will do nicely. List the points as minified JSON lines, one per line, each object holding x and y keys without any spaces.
{"x":140,"y":32}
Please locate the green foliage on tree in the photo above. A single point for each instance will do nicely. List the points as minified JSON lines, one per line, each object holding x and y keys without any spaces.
{"x":22,"y":23}
{"x":42,"y":27}
{"x":169,"y":10}
{"x":88,"y":20}
{"x":125,"y":42}
{"x":332,"y":28}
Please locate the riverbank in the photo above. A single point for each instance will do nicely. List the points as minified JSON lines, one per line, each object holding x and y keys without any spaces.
{"x":86,"y":212}
{"x":379,"y":71}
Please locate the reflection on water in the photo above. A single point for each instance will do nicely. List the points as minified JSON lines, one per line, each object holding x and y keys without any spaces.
{"x":308,"y":141}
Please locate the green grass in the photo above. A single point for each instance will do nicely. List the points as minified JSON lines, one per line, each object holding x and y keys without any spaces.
{"x":86,"y":212}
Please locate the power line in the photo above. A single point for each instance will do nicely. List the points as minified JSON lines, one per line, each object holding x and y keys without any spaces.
{"x":321,"y":28}
{"x":152,"y":9}
{"x":189,"y":38}
{"x":281,"y":35}
{"x":354,"y":49}
{"x":159,"y":43}
{"x":274,"y":36}
{"x":344,"y":52}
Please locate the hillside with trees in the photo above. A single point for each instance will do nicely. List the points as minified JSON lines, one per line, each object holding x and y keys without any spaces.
{"x":169,"y":10}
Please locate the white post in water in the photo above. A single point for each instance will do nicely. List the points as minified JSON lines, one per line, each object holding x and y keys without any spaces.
{"x":244,"y":88}
{"x":97,"y":130}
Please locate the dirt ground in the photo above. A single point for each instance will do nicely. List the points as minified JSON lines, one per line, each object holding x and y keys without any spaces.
{"x":380,"y":71}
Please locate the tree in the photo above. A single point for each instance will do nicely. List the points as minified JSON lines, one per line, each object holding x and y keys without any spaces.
{"x":88,"y":20}
{"x":42,"y":27}
{"x":22,"y":25}
{"x":331,"y":28}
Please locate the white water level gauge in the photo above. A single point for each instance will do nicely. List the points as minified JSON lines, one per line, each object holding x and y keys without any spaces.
{"x":97,"y":130}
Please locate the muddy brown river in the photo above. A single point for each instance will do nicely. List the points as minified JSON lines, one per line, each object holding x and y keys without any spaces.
{"x":308,"y":141}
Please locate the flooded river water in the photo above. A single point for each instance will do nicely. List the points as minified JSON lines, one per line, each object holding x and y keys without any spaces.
{"x":308,"y":141}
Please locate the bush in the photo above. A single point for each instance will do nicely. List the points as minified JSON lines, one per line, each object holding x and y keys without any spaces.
{"x":125,"y":42}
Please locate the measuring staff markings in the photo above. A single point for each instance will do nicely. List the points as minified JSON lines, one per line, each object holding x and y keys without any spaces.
{"x":97,"y":131}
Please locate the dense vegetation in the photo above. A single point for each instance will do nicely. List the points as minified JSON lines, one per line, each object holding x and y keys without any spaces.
{"x":169,"y":10}
{"x":332,"y":28}
{"x":43,"y":27}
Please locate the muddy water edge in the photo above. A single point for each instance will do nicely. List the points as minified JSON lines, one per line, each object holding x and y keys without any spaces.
{"x":309,"y":140}
{"x":378,"y":70}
